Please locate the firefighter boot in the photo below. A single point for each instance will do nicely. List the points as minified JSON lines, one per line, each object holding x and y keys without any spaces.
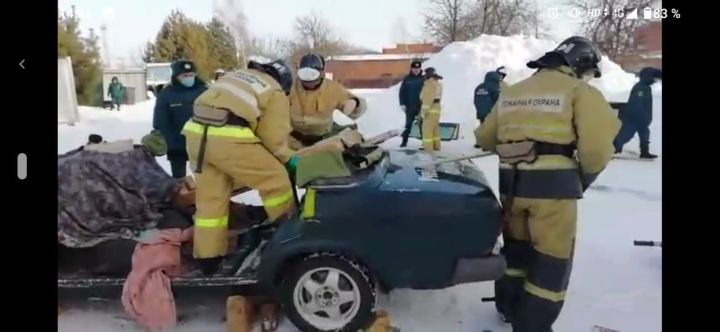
{"x":239,"y":312}
{"x":210,"y":266}
{"x":645,"y":151}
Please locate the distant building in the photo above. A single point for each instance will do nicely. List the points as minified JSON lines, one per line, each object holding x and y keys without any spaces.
{"x":374,"y":71}
{"x":648,"y":49}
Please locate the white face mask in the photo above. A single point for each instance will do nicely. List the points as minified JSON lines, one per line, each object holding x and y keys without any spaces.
{"x":308,"y":74}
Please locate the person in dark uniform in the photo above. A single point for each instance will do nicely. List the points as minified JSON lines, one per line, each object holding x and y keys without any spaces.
{"x":409,"y":96}
{"x":174,"y":107}
{"x":637,"y":115}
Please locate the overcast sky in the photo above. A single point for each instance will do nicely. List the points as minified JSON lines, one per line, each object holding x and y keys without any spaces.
{"x":368,"y":23}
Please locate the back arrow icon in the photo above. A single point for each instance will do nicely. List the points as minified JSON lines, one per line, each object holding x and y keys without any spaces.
{"x":21,"y":64}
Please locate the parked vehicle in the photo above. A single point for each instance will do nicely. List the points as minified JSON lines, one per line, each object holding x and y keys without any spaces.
{"x":158,"y":75}
{"x":406,"y":221}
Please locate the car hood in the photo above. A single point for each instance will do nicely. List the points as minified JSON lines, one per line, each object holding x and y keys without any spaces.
{"x":412,"y":168}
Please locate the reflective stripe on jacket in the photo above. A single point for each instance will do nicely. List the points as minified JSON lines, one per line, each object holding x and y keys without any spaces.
{"x":258,"y":99}
{"x":552,"y":106}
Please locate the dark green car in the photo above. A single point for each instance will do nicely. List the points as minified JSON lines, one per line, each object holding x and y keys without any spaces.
{"x":402,"y":220}
{"x":392,"y":225}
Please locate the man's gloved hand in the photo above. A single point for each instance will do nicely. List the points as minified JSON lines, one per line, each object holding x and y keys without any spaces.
{"x":291,"y":165}
{"x":403,"y":108}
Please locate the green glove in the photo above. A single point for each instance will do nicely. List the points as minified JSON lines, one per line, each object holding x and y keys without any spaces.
{"x":291,"y":165}
{"x":155,"y":143}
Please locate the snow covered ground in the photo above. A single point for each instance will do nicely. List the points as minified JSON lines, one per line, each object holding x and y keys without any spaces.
{"x":614,"y":284}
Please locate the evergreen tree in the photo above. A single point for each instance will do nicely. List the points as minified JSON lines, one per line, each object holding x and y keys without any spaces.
{"x":207,"y":45}
{"x":222,"y":45}
{"x":84,"y":54}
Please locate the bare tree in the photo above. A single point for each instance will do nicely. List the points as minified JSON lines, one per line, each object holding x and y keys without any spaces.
{"x":456,"y":20}
{"x":613,"y":34}
{"x":316,"y":34}
{"x":447,"y":21}
{"x":269,"y":47}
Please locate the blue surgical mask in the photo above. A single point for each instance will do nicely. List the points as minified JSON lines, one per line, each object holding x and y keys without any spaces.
{"x":188,"y":81}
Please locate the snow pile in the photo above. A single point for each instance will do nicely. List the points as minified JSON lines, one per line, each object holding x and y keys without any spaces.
{"x":463,"y":66}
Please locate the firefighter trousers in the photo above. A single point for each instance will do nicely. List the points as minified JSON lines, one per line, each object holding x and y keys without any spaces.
{"x":227,"y":165}
{"x":431,"y":131}
{"x":539,"y":240}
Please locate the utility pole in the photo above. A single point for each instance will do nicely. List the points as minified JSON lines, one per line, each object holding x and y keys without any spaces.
{"x":106,"y":49}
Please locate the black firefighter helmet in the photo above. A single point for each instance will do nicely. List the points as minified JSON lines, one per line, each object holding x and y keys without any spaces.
{"x":577,"y":52}
{"x":278,"y":69}
{"x":311,"y":69}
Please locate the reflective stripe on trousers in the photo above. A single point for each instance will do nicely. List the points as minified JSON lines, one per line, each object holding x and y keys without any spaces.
{"x":211,"y":222}
{"x":278,"y":200}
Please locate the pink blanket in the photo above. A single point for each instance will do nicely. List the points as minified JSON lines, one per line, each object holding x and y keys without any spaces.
{"x":147,"y":295}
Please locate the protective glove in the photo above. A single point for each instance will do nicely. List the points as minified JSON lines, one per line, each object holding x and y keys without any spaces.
{"x":403,"y":108}
{"x":291,"y":165}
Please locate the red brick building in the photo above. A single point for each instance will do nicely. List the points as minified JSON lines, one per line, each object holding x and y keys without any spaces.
{"x":375,"y":71}
{"x":648,"y":52}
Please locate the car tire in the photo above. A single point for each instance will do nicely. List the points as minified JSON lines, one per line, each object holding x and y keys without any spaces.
{"x":312,"y":302}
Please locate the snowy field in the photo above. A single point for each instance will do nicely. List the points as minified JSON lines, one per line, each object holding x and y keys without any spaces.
{"x":614,"y":284}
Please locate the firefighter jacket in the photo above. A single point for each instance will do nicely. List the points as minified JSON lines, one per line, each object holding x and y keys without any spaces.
{"x":312,"y":110}
{"x":552,"y":106}
{"x":430,"y":96}
{"x":256,"y":98}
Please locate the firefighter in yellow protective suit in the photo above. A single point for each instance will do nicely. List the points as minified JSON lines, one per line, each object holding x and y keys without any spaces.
{"x":314,"y":98}
{"x":237,"y":137}
{"x":430,"y":96}
{"x":553,"y":133}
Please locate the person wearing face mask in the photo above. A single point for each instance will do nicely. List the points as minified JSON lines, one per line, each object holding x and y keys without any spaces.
{"x":553,"y":133}
{"x":173,"y":107}
{"x":637,"y":115}
{"x":409,"y":96}
{"x":314,"y":98}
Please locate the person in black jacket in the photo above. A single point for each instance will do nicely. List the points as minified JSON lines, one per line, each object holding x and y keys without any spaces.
{"x":409,"y":96}
{"x":637,"y":115}
{"x":486,"y":94}
{"x":174,"y":107}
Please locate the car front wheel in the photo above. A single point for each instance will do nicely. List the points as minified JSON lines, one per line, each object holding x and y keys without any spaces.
{"x":328,"y":293}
